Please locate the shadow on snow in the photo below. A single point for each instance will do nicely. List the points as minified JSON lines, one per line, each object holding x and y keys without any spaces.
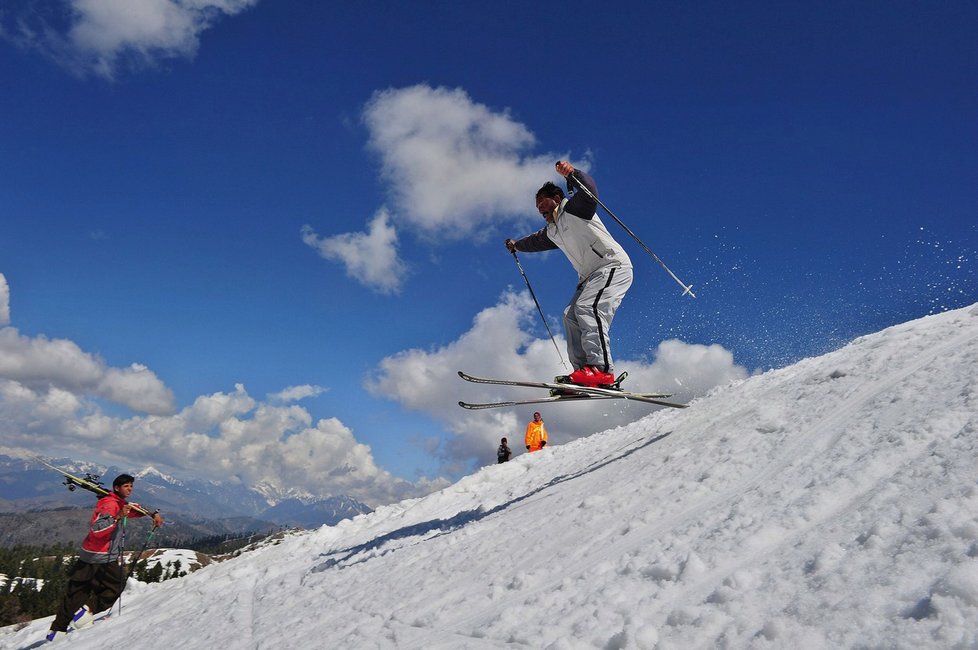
{"x":445,"y":526}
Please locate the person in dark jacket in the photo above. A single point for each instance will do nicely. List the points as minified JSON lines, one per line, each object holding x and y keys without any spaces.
{"x":98,"y":575}
{"x":504,"y":453}
{"x":603,"y":268}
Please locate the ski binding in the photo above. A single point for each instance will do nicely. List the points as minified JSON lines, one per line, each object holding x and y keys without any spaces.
{"x":566,"y":392}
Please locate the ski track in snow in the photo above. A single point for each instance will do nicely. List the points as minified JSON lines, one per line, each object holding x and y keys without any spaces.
{"x":829,"y":504}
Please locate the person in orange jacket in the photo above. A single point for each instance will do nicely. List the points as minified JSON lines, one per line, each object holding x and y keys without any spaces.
{"x":536,"y":434}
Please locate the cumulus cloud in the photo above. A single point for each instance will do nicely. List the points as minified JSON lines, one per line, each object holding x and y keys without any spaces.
{"x":52,"y":400}
{"x":296,"y":393}
{"x":500,"y":344}
{"x":454,"y":165}
{"x":44,"y":364}
{"x":370,"y":257}
{"x":224,"y":436}
{"x":101,"y":36}
{"x":4,"y":301}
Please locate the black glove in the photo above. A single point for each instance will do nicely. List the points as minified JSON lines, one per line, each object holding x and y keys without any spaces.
{"x":528,"y":447}
{"x":543,"y":444}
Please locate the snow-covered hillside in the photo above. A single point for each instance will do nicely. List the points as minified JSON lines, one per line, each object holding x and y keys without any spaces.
{"x":830,"y":504}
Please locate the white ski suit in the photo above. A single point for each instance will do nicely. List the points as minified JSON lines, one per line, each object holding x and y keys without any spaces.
{"x":604,"y":274}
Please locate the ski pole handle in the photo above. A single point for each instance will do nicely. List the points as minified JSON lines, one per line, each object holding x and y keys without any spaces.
{"x":687,"y":288}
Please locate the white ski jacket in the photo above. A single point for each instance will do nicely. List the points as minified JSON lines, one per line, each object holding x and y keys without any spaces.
{"x":579,"y":233}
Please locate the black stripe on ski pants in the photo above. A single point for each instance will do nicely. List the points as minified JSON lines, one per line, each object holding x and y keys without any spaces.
{"x":587,"y":319}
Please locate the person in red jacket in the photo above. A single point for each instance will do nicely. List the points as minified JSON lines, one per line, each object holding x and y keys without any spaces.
{"x":98,"y":577}
{"x":536,"y":434}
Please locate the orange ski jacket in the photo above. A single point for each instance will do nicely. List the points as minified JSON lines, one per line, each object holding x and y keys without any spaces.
{"x":536,"y":435}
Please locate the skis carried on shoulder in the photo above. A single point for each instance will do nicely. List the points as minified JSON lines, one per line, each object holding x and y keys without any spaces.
{"x":91,"y":483}
{"x":565,"y":392}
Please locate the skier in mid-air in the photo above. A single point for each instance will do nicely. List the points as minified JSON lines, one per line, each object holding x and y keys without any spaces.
{"x":604,"y":273}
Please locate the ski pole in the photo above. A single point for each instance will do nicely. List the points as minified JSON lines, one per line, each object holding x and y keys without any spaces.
{"x":135,"y":560}
{"x":122,"y":563}
{"x":686,"y":288}
{"x":534,"y":296}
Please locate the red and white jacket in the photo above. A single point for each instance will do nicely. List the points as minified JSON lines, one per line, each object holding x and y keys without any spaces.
{"x":105,"y":539}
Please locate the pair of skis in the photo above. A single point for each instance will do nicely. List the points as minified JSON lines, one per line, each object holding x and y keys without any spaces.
{"x":566,"y":393}
{"x":90,"y":483}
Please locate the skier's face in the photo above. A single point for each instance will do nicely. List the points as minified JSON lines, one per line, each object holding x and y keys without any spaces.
{"x":546,"y":206}
{"x":124,"y":490}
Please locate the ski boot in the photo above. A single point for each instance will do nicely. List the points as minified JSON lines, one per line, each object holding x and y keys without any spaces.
{"x":590,"y":380}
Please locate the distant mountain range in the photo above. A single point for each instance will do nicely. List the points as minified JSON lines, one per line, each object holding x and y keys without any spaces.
{"x":200,"y":508}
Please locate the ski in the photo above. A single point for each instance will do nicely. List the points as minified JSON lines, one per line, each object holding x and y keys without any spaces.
{"x":649,"y":398}
{"x":90,"y":483}
{"x":541,"y":400}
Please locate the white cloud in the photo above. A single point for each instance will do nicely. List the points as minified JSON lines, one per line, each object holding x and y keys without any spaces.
{"x":4,"y":301}
{"x":208,"y":411}
{"x":500,"y":345}
{"x":222,"y":436}
{"x":454,"y":168}
{"x":36,"y":408}
{"x":50,"y":402}
{"x":137,"y":387}
{"x":296,"y":393}
{"x":104,"y":35}
{"x":44,"y":364}
{"x":454,"y":165}
{"x":370,"y":257}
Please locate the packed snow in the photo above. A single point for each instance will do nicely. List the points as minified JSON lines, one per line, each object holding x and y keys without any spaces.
{"x":829,"y":504}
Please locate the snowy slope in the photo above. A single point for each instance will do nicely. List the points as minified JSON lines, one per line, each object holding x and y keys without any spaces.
{"x":830,"y":504}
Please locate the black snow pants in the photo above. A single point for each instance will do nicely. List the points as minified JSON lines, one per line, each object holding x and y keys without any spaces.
{"x":95,"y":585}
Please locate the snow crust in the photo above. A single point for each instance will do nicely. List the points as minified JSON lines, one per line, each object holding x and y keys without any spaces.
{"x":829,"y":504}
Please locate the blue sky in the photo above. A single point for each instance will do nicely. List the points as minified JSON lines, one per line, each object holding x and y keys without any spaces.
{"x":289,"y":216}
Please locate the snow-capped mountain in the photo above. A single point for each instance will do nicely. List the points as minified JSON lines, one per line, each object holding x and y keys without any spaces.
{"x":28,"y":485}
{"x":309,"y":513}
{"x":829,"y":504}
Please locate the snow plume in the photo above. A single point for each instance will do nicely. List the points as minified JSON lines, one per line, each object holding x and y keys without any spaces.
{"x":101,"y":36}
{"x":4,"y":301}
{"x":369,"y":257}
{"x":500,"y":344}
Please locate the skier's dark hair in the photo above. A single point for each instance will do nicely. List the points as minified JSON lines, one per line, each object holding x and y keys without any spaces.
{"x":551,"y":190}
{"x":122,"y":479}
